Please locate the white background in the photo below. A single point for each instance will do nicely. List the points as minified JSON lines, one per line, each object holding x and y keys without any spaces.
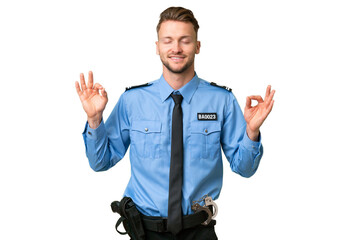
{"x":307,"y":186}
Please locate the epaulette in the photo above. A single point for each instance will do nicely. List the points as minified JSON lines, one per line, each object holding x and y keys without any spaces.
{"x":224,"y":87}
{"x":137,"y":86}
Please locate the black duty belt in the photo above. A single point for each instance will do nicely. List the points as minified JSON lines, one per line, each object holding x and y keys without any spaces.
{"x":159,"y":224}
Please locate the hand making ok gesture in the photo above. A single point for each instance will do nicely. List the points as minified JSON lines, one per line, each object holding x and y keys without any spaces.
{"x":92,"y":101}
{"x":256,"y":115}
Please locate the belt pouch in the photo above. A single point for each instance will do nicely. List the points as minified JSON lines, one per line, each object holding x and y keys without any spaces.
{"x":131,"y":219}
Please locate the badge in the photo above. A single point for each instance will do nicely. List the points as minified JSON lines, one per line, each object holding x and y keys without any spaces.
{"x":207,"y":116}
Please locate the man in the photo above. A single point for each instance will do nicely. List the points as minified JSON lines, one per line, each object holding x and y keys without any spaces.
{"x":175,"y":127}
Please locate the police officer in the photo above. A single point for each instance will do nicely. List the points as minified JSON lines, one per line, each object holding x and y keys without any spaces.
{"x":175,"y":127}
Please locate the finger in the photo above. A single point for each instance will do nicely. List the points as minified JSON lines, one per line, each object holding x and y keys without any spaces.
{"x":82,"y":82}
{"x":270,"y":98}
{"x":271,"y":106}
{"x":98,"y":87}
{"x":248,"y":102}
{"x":91,"y":80}
{"x":267,"y":94}
{"x":77,"y":86}
{"x":257,"y":98}
{"x":104,"y":93}
{"x":272,"y":94}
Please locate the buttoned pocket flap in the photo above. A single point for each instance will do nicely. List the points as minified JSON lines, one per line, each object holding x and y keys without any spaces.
{"x":205,"y":128}
{"x":146,"y":126}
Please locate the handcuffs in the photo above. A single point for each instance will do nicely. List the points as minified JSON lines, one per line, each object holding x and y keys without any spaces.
{"x":208,"y":201}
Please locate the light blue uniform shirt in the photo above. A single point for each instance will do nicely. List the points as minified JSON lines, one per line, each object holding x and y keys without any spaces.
{"x":142,"y":120}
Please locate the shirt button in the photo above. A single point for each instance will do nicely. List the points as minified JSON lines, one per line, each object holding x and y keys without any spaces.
{"x":206,"y":130}
{"x":146,"y":129}
{"x":90,"y":133}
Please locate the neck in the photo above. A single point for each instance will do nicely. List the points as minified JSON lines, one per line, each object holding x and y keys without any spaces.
{"x":178,"y":80}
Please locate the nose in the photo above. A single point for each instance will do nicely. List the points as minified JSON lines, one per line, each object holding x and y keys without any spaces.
{"x":176,"y":48}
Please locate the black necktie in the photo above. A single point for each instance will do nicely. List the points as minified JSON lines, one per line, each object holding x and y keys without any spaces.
{"x":174,"y":223}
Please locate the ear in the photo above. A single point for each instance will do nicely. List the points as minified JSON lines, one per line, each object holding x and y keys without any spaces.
{"x":198,"y":45}
{"x":157,"y":48}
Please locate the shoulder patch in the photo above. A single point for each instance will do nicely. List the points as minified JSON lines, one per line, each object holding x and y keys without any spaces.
{"x":137,"y":86}
{"x":224,"y":87}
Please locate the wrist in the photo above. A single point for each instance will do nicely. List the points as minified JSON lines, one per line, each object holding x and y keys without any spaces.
{"x":94,"y":122}
{"x":253,"y":134}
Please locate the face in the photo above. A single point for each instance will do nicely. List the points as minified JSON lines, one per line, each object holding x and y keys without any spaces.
{"x":177,"y":45}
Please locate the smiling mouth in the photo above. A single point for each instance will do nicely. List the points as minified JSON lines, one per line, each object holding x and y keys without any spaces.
{"x":176,"y":58}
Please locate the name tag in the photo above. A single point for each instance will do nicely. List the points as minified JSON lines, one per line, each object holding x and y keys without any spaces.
{"x":207,"y":116}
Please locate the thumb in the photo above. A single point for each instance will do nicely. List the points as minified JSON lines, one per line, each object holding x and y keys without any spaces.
{"x":248,"y":103}
{"x":104,"y":93}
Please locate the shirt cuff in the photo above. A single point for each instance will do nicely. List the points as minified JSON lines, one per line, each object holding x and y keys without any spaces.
{"x":94,"y":134}
{"x":250,"y":144}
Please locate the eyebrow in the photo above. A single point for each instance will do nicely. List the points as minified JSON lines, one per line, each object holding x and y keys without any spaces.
{"x":182,"y":37}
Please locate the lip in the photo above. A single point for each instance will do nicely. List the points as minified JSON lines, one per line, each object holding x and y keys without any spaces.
{"x":177,"y":58}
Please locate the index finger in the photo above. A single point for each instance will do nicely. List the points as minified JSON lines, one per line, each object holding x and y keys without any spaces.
{"x":257,"y":98}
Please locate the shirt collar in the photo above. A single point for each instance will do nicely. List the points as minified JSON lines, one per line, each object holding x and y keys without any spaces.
{"x":186,"y":91}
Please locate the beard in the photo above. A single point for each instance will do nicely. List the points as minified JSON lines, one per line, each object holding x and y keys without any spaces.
{"x":181,"y":70}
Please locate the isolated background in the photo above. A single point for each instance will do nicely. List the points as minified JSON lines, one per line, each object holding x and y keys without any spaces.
{"x":307,"y":186}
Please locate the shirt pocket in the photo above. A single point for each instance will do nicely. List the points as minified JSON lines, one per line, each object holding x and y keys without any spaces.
{"x":205,"y":139}
{"x":145,"y":138}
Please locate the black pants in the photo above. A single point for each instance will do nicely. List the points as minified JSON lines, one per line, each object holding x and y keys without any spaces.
{"x":196,"y":233}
